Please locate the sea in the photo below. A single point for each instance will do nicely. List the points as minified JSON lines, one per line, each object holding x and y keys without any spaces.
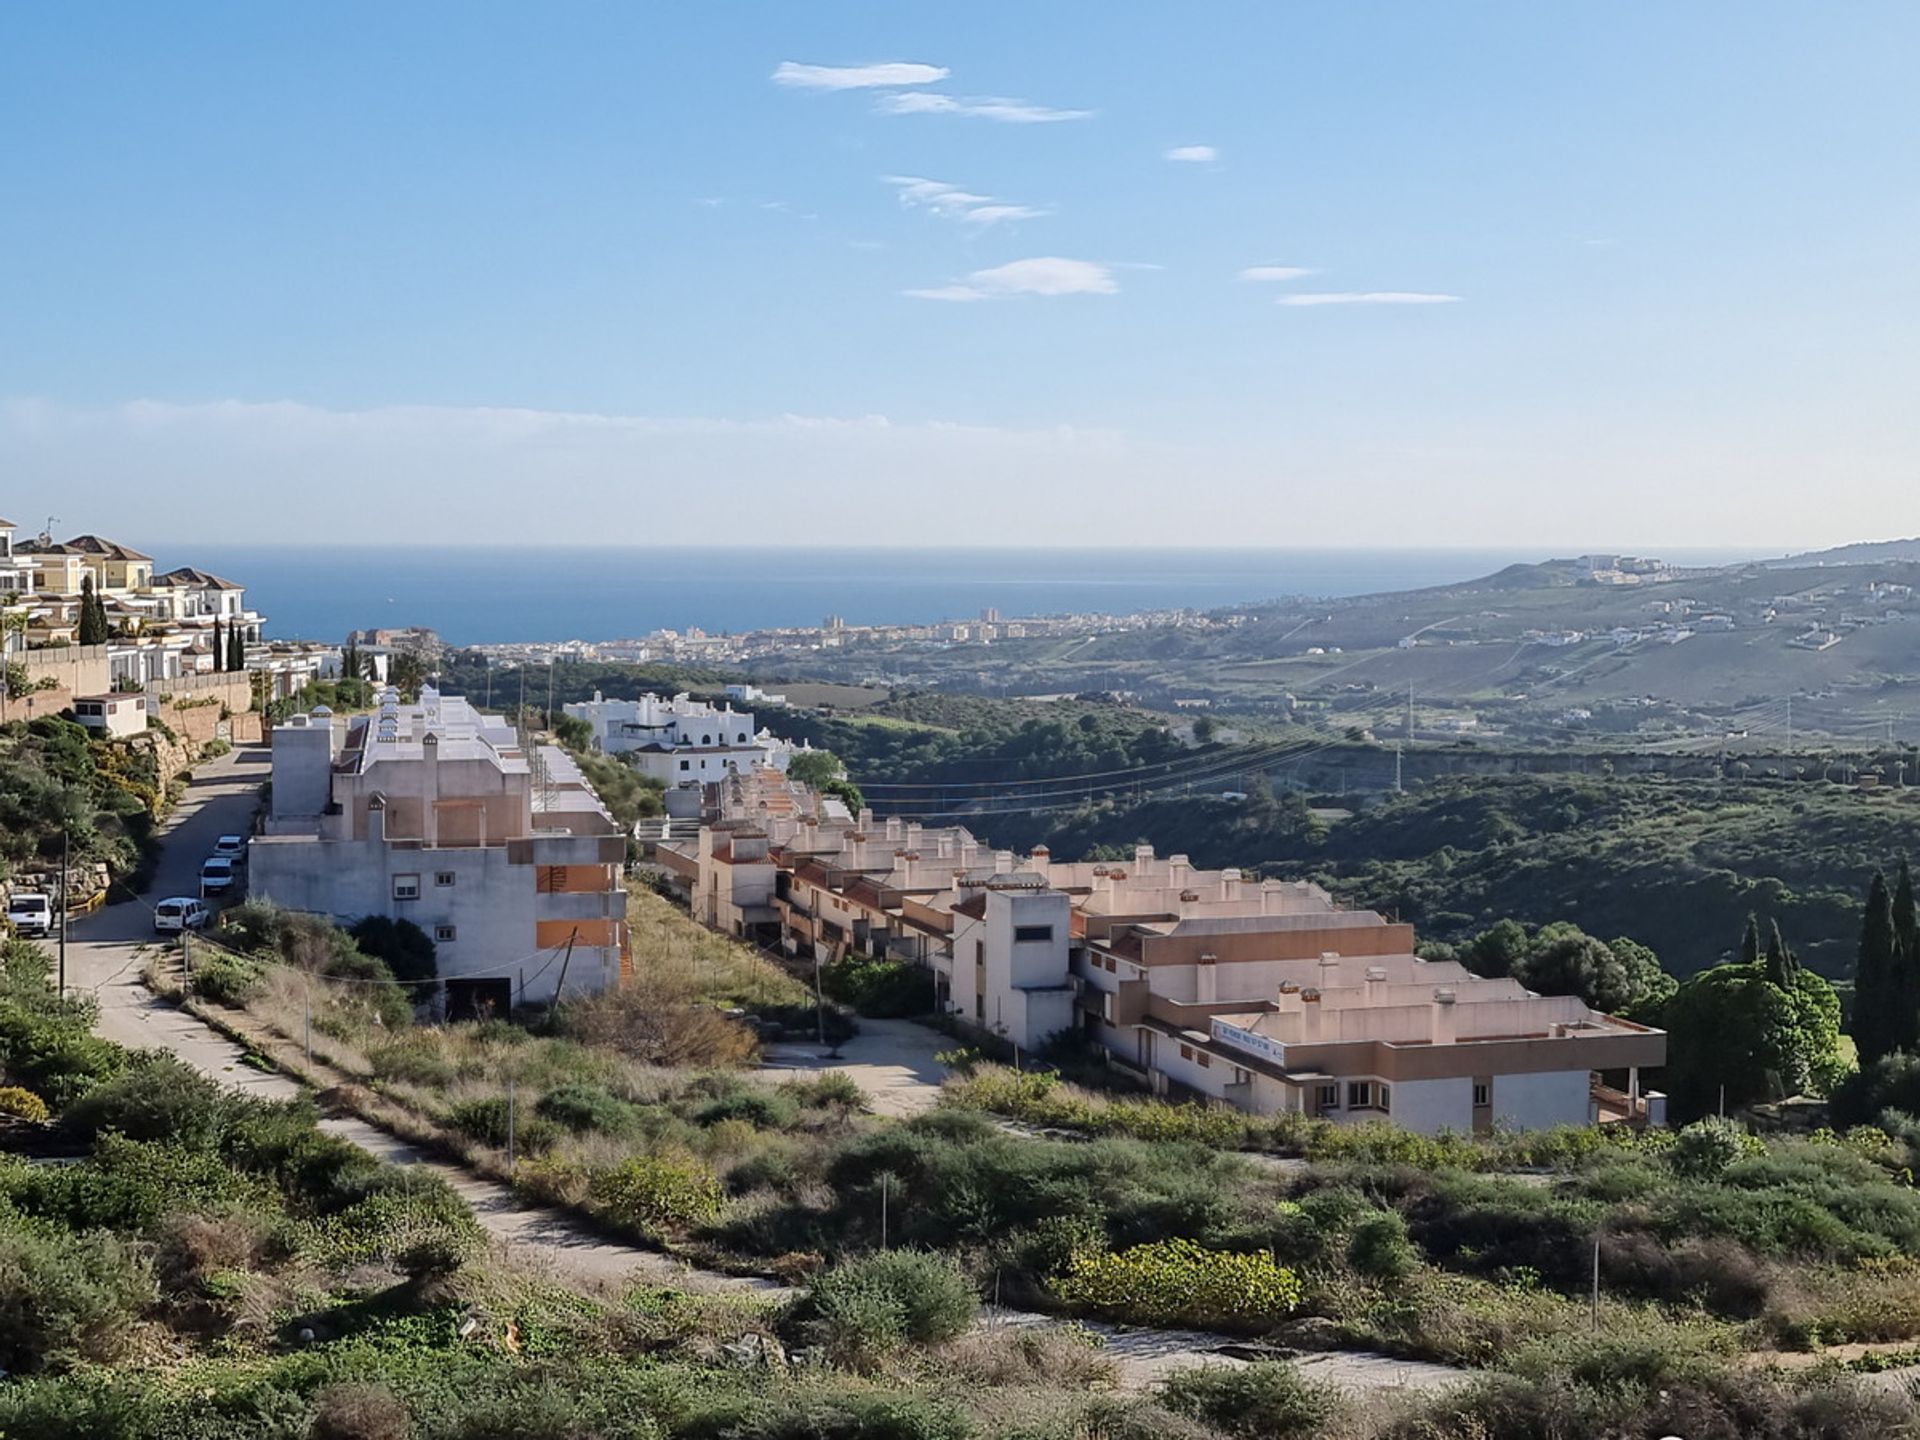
{"x":505,"y":594}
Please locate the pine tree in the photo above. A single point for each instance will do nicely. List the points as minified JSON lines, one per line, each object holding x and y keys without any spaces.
{"x":93,"y":615}
{"x":1876,"y":977}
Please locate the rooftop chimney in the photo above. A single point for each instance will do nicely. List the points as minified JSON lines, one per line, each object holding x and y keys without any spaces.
{"x":1229,"y":884}
{"x":1270,"y":892}
{"x":1311,"y":1016}
{"x":1446,"y":1025}
{"x":1206,"y":980}
{"x":1178,"y":868}
{"x":1002,"y":862}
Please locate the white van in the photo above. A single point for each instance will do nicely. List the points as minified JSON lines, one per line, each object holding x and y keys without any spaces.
{"x":182,"y":912}
{"x":31,"y":914}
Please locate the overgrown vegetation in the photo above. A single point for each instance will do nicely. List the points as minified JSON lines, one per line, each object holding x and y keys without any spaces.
{"x":53,"y":773}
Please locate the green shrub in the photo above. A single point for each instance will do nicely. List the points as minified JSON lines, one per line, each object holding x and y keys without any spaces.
{"x":762,"y":1109}
{"x":65,"y":1297}
{"x":584,"y":1108}
{"x":830,"y":1090}
{"x":1176,"y":1282}
{"x":655,"y":1192}
{"x":1706,"y":1148}
{"x":489,"y":1121}
{"x":156,"y":1098}
{"x":225,"y":979}
{"x":22,"y":1104}
{"x":1378,"y":1246}
{"x":129,"y":1185}
{"x":865,"y":1308}
{"x":49,"y":1051}
{"x":1268,"y":1400}
{"x":880,"y":988}
{"x":837,"y":1417}
{"x":410,"y":1220}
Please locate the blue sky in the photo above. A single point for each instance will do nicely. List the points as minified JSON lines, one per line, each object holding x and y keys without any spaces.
{"x":1606,"y":274}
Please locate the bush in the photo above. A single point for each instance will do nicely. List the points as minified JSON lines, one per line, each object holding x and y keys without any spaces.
{"x":830,"y":1090}
{"x":65,"y":1297}
{"x":762,"y":1109}
{"x":157,"y":1098}
{"x":406,"y":949}
{"x":880,"y":988}
{"x":1379,"y":1247}
{"x":230,"y":980}
{"x":868,"y":1307}
{"x":1268,"y":1400}
{"x":1706,"y":1148}
{"x":1177,"y":1282}
{"x":656,"y":1192}
{"x":584,"y":1109}
{"x":489,"y":1121}
{"x":22,"y":1104}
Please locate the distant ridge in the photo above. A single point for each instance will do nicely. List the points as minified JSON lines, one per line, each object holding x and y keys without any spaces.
{"x":1866,"y":552}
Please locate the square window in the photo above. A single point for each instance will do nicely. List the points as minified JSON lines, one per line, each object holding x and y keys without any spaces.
{"x":1328,"y":1097}
{"x":1206,"y":1060}
{"x":444,"y":934}
{"x":1359,"y":1095}
{"x":406,"y":887}
{"x":444,"y":879}
{"x":1186,"y":1052}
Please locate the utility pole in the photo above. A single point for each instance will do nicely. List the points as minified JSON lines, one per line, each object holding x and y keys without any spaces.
{"x":1596,"y":1282}
{"x":65,"y":865}
{"x":560,"y":986}
{"x":1396,"y":770}
{"x":510,"y":1125}
{"x":1789,"y":723}
{"x":186,"y":961}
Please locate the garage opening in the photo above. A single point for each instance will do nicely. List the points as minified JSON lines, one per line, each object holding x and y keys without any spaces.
{"x":479,"y":999}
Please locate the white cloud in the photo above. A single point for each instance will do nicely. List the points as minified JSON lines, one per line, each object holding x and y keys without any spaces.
{"x":856,"y":77}
{"x":1042,"y":275}
{"x":1274,"y":272}
{"x":1367,"y":297}
{"x":987,"y":107}
{"x":953,"y":203}
{"x":1194,"y":154}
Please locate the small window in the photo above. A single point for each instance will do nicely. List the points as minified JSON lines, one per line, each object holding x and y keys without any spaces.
{"x":1482,"y":1094}
{"x":743,"y":739}
{"x":979,"y":1007}
{"x":444,"y":879}
{"x":686,"y":765}
{"x":1359,"y":1095}
{"x":406,"y":887}
{"x":1385,"y":1101}
{"x":1206,"y":1060}
{"x":1186,"y":1052}
{"x":979,"y":952}
{"x":1033,"y":934}
{"x":444,"y":934}
{"x":1328,"y":1097}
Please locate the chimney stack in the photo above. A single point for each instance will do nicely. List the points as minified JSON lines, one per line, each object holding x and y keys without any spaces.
{"x":1206,"y":980}
{"x":1311,"y":1017}
{"x":1041,"y":858}
{"x":1229,"y":884}
{"x":1446,"y":1023}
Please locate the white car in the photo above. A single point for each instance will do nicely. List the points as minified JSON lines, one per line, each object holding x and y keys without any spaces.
{"x":31,"y":914}
{"x":182,"y":912}
{"x":216,"y":875}
{"x":234,"y":847}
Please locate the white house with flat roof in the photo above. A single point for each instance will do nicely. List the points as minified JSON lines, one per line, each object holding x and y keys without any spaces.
{"x":681,"y":741}
{"x":438,"y":814}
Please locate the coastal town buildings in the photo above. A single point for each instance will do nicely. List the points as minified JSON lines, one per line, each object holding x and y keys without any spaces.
{"x":681,"y":741}
{"x":1266,"y":996}
{"x":436,"y":813}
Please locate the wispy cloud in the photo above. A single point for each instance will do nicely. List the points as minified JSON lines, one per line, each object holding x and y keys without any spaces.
{"x":952,"y":203}
{"x":856,"y":77}
{"x":1042,"y":275}
{"x":1367,"y":297}
{"x":1274,"y":272}
{"x":987,"y":107}
{"x":1194,"y":154}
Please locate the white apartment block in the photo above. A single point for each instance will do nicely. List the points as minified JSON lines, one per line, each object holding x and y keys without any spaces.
{"x":437,"y":814}
{"x":1264,"y":996}
{"x":681,"y":741}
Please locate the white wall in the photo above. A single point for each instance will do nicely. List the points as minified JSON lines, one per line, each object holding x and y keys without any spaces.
{"x":1430,"y":1106}
{"x":1539,"y":1102}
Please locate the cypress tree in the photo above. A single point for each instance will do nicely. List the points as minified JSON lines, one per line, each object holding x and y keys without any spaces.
{"x":236,"y":649}
{"x":1875,"y":977}
{"x":1750,"y":942}
{"x":93,"y":615}
{"x":1783,"y":967}
{"x":1906,"y":965}
{"x":219,"y":646}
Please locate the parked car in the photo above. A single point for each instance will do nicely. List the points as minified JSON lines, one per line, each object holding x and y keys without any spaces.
{"x":216,"y":875}
{"x":234,"y":847}
{"x":31,"y":914}
{"x":182,"y":912}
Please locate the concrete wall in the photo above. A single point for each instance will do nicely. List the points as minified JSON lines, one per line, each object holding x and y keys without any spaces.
{"x":1541,"y":1101}
{"x":1431,"y":1106}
